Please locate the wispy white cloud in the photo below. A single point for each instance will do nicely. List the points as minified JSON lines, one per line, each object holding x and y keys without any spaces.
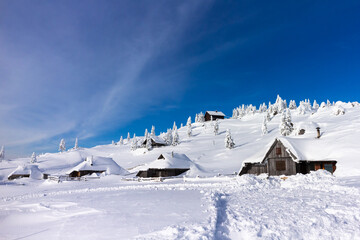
{"x":57,"y":78}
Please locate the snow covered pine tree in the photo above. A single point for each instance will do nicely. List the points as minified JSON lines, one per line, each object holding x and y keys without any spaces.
{"x":33,"y":158}
{"x":76,"y":146}
{"x":229,"y":142}
{"x":216,"y":127}
{"x":264,"y":127}
{"x":175,"y":136}
{"x":2,"y":153}
{"x":286,"y":126}
{"x":62,"y":146}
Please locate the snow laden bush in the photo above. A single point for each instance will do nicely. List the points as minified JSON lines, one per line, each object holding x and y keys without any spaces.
{"x":264,"y":127}
{"x":229,"y":142}
{"x":286,"y":126}
{"x":128,"y":138}
{"x":338,"y":110}
{"x":62,"y":146}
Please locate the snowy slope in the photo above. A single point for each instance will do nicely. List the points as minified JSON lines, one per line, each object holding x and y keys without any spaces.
{"x":338,"y":142}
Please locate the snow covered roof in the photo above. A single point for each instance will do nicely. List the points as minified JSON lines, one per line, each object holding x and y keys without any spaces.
{"x":156,"y":139}
{"x":307,"y":149}
{"x":215,"y":113}
{"x":96,"y":163}
{"x":32,"y":170}
{"x":169,"y":160}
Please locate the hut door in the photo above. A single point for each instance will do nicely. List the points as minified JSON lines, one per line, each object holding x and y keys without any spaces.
{"x":317,"y":166}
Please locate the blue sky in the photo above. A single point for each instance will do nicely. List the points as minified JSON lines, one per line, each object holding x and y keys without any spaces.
{"x":99,"y":69}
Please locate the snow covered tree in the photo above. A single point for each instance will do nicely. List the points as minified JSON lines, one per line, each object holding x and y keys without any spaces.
{"x":76,"y":146}
{"x":112,"y":142}
{"x":264,"y":127}
{"x":128,"y":138}
{"x":121,"y":141}
{"x":268,"y":117}
{"x":134,"y":143}
{"x":146,"y":136}
{"x":188,"y":121}
{"x":189,"y":130}
{"x":315,"y":105}
{"x":175,"y":137}
{"x":33,"y":158}
{"x":148,"y":143}
{"x":328,"y":103}
{"x":216,"y":127}
{"x":62,"y":146}
{"x":229,"y":142}
{"x":174,"y":126}
{"x":201,"y":117}
{"x":286,"y":127}
{"x":168,"y":137}
{"x":2,"y":153}
{"x":152,"y":131}
{"x":292,"y":104}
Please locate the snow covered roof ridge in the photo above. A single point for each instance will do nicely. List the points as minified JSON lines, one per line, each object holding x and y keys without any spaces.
{"x":169,"y":160}
{"x":96,"y":163}
{"x":216,"y":113}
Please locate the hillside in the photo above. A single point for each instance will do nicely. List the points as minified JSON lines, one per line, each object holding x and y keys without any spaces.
{"x":338,"y":142}
{"x":318,"y":205}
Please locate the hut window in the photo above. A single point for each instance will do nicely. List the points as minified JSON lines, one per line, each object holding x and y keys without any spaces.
{"x":328,"y":167}
{"x":280,"y":166}
{"x":278,"y":151}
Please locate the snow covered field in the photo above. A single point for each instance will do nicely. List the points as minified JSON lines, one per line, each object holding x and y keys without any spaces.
{"x":315,"y":206}
{"x":209,"y":201}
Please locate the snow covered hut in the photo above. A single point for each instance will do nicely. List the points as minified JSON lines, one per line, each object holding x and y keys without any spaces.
{"x":289,"y":156}
{"x":96,"y":165}
{"x":29,"y":171}
{"x":166,"y":165}
{"x":155,"y":141}
{"x":214,"y":114}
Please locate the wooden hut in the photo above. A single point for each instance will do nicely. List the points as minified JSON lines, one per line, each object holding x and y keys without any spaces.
{"x":166,"y":165}
{"x":96,"y":165}
{"x":284,"y":157}
{"x":214,"y":115}
{"x":155,"y":141}
{"x":29,"y":171}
